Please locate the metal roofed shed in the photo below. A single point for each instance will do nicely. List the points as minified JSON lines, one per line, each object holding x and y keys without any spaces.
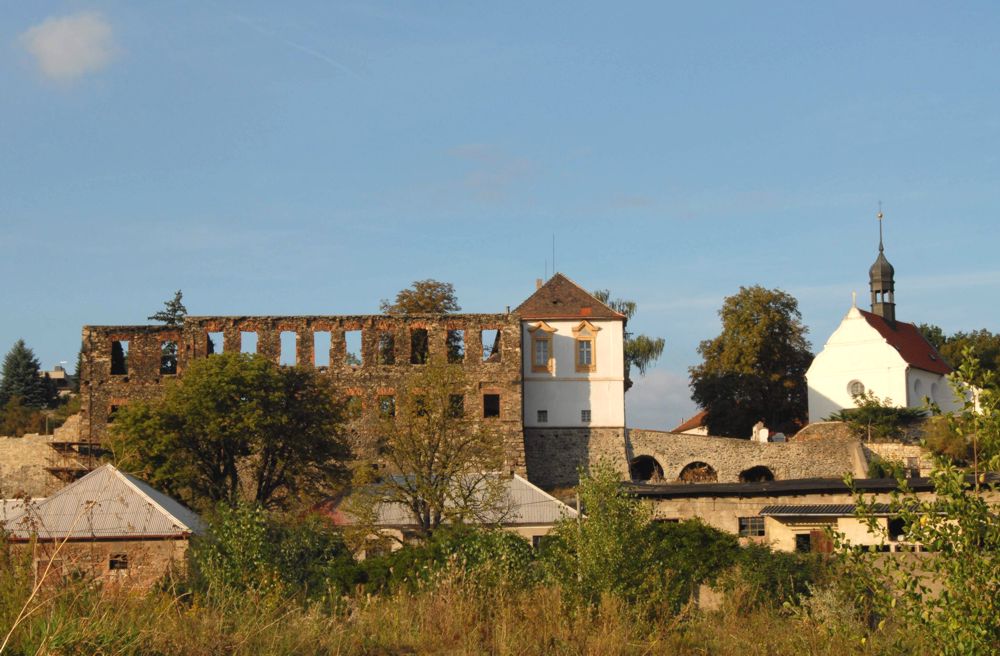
{"x":109,"y":526}
{"x":820,"y":510}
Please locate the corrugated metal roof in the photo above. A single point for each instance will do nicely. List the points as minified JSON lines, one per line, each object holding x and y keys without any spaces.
{"x":819,"y":510}
{"x":105,"y":503}
{"x":528,"y":505}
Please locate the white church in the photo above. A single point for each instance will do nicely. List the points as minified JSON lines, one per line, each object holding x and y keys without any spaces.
{"x":873,"y":352}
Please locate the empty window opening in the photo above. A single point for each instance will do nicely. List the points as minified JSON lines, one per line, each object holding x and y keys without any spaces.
{"x":456,"y":346}
{"x":248,"y":342}
{"x":112,"y":414}
{"x":543,"y":416}
{"x":387,"y":405}
{"x":418,"y":346}
{"x":353,"y":407}
{"x":585,"y":416}
{"x":758,"y":474}
{"x":456,"y":406}
{"x":288,"y":347}
{"x":752,"y":527}
{"x":119,"y":357}
{"x":491,"y":405}
{"x":214,"y":343}
{"x":698,"y":472}
{"x":352,"y":346}
{"x":168,"y":357}
{"x":118,"y":561}
{"x":491,"y":345}
{"x":385,"y":350}
{"x":897,"y":528}
{"x":645,"y":468}
{"x":321,"y":348}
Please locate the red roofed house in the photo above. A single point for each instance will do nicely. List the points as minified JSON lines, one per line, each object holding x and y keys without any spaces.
{"x":873,"y":352}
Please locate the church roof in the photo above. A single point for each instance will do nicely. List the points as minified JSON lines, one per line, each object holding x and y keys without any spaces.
{"x":905,"y":338}
{"x":561,"y":298}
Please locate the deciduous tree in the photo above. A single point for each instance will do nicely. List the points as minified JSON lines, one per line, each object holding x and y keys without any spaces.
{"x":237,"y":427}
{"x":437,"y":460}
{"x":755,"y":369}
{"x":641,"y":351}
{"x":984,"y":344}
{"x":424,"y":297}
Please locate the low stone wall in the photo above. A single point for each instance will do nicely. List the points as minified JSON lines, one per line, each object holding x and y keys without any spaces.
{"x":903,"y":454}
{"x":729,"y":457}
{"x":554,"y":455}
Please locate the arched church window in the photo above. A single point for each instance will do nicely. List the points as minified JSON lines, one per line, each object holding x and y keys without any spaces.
{"x":856,"y":388}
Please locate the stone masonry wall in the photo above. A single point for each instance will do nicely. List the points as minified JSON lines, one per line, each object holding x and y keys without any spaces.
{"x":729,"y":457}
{"x":28,"y":463}
{"x":553,"y":455}
{"x":102,"y":391}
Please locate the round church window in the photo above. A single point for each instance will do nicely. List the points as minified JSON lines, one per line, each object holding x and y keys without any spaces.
{"x":856,"y":388}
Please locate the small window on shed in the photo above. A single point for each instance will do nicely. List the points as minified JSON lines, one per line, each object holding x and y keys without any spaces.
{"x":752,"y":527}
{"x":288,"y":355}
{"x":385,"y":350}
{"x":118,"y":562}
{"x":456,"y":346}
{"x":803,"y":543}
{"x":491,"y":345}
{"x":214,"y":343}
{"x":248,"y":342}
{"x":119,"y":357}
{"x":352,"y":347}
{"x":418,"y":346}
{"x":491,"y":405}
{"x":321,"y":349}
{"x":168,"y":357}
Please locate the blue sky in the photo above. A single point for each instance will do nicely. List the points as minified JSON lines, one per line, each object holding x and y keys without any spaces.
{"x":317,"y":157}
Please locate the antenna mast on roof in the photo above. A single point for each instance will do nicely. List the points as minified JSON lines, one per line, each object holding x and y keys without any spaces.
{"x":553,"y":253}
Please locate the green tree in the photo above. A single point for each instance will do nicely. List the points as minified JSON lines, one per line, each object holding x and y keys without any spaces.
{"x":22,"y":377}
{"x":173,"y":311}
{"x":876,"y":418}
{"x":984,"y":344}
{"x":641,"y":351}
{"x":437,"y":461}
{"x":424,"y":297}
{"x":237,"y":427}
{"x":16,"y":419}
{"x":755,"y":369}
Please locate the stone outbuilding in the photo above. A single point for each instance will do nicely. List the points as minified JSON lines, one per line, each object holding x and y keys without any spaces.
{"x":108,"y":526}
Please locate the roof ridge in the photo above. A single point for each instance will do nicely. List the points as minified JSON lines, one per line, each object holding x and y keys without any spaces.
{"x":538,"y":489}
{"x":588,"y":293}
{"x":132,"y":483}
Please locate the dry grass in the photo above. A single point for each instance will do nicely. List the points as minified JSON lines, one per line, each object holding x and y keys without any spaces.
{"x":452,"y":617}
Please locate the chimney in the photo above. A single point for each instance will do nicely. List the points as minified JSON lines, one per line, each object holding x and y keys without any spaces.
{"x":538,"y":283}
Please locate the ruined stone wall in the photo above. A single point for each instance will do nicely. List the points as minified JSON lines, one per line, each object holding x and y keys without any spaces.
{"x":487,"y":372}
{"x":905,"y":455}
{"x":553,"y":455}
{"x":729,"y":457}
{"x":31,"y":465}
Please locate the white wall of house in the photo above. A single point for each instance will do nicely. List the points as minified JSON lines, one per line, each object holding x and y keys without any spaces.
{"x":857,"y":352}
{"x":564,"y":392}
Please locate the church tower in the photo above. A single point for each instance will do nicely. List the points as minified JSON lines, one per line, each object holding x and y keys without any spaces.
{"x":880,"y":279}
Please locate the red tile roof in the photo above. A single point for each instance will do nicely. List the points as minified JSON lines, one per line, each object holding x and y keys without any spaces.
{"x":905,"y":338}
{"x":561,"y":298}
{"x":696,"y":421}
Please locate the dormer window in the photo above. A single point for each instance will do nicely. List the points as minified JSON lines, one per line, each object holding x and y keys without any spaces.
{"x":585,"y":347}
{"x":542,"y":360}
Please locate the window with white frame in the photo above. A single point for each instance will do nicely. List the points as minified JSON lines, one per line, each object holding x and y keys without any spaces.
{"x":586,"y":340}
{"x":752,"y":527}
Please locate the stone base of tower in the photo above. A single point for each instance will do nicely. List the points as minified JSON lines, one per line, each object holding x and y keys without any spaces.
{"x":553,"y":456}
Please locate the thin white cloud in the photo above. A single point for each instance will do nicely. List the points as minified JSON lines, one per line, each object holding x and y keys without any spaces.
{"x":68,"y":47}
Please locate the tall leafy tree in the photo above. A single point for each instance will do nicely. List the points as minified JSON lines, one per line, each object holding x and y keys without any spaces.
{"x":984,"y":344}
{"x":173,"y":311}
{"x":236,"y":428}
{"x":22,"y":378}
{"x":641,"y":351}
{"x":438,"y":461}
{"x":755,"y":369}
{"x":424,"y":297}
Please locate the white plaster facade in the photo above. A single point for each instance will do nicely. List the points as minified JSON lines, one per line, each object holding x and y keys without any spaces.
{"x":857,"y":352}
{"x":562,"y":392}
